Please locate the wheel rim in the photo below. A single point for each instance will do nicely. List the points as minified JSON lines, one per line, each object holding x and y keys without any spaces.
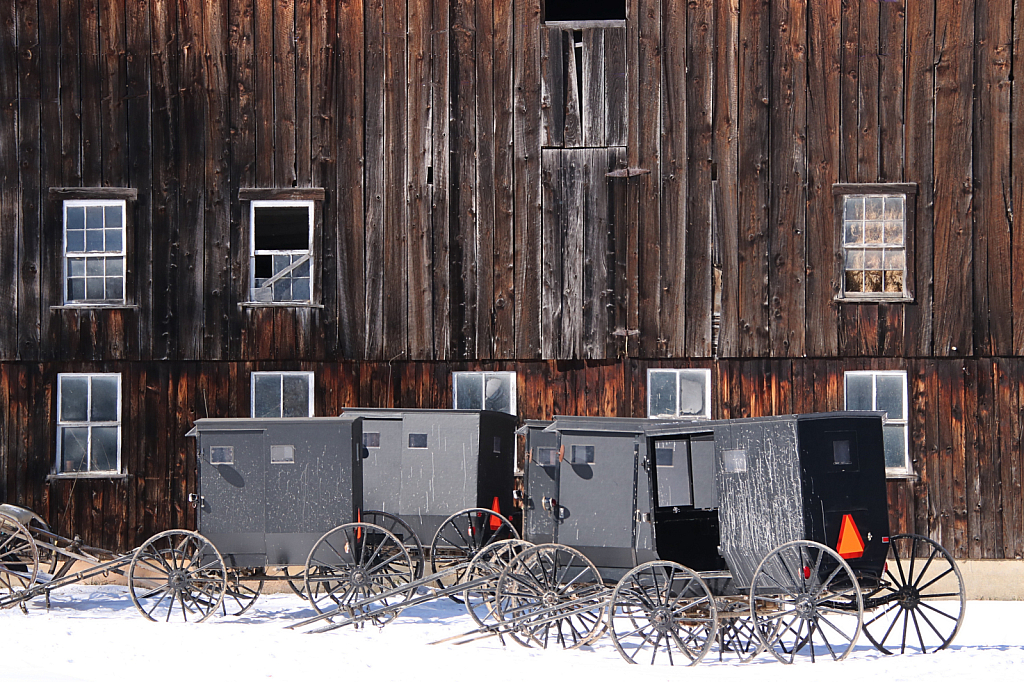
{"x":920,"y":603}
{"x":354,"y":563}
{"x":737,"y":637}
{"x":489,"y":563}
{"x":241,"y":594}
{"x":177,"y":574}
{"x":462,"y":536}
{"x":806,"y":601}
{"x":19,"y":556}
{"x":551,"y":594}
{"x":404,"y":532}
{"x":662,"y":612}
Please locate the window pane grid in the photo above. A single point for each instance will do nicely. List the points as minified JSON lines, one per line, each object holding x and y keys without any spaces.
{"x":94,"y":251}
{"x":679,"y":393}
{"x":874,"y":243}
{"x":281,"y":394}
{"x":281,"y":251}
{"x":884,"y":392}
{"x":88,"y":423}
{"x":494,"y":391}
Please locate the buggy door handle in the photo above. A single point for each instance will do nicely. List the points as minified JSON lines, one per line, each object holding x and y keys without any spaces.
{"x":642,"y":517}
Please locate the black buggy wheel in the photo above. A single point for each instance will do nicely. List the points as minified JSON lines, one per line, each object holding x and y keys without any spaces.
{"x":177,"y":574}
{"x":404,"y":532}
{"x":19,"y":557}
{"x":488,"y":565}
{"x":919,"y":605}
{"x":358,"y":562}
{"x":241,"y":593}
{"x":662,"y":609}
{"x":806,"y":600}
{"x":736,"y":636}
{"x":551,"y":594}
{"x":461,"y":537}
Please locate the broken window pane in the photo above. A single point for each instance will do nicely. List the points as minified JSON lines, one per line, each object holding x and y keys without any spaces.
{"x":584,"y":10}
{"x":484,"y":391}
{"x":282,"y":251}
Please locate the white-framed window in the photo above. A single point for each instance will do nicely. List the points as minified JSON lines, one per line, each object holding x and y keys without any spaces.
{"x":484,"y":391}
{"x":281,"y":251}
{"x":679,"y":393}
{"x":884,"y":391}
{"x":88,"y":423}
{"x":282,"y":394}
{"x":94,"y":251}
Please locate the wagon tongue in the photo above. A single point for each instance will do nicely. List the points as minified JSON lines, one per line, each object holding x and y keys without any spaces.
{"x":850,"y":545}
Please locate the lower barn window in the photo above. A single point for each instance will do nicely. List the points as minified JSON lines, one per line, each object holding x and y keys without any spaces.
{"x":282,"y":394}
{"x":884,"y":392}
{"x":88,"y":423}
{"x":679,"y":393}
{"x":484,"y":391}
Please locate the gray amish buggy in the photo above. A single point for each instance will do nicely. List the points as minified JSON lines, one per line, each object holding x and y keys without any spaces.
{"x":753,"y":533}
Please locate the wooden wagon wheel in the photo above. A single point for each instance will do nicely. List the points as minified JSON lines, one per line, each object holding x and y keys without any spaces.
{"x":19,"y":556}
{"x":806,"y":600}
{"x":551,"y":593}
{"x":489,"y":563}
{"x":462,"y":536}
{"x":404,"y":532}
{"x":177,"y":574}
{"x":356,"y":562}
{"x":662,"y":609}
{"x":921,"y":601}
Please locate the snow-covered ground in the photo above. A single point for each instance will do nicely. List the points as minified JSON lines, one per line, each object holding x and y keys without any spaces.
{"x":94,"y":633}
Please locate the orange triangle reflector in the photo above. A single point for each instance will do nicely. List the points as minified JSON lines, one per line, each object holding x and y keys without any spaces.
{"x":851,"y":545}
{"x":496,"y":508}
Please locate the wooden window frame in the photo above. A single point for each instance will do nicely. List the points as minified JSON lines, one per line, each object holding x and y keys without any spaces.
{"x":905,"y":471}
{"x":63,"y":424}
{"x":310,"y":378}
{"x":310,"y":257}
{"x":840,"y":191}
{"x":706,"y":378}
{"x":513,"y":407}
{"x":579,"y":22}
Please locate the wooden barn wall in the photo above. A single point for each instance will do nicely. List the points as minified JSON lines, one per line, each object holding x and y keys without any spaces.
{"x":966,"y":419}
{"x":464,"y":149}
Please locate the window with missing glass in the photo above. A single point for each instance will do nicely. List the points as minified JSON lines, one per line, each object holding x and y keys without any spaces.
{"x":679,"y":393}
{"x":484,"y":391}
{"x":281,"y":251}
{"x":884,"y":391}
{"x":282,"y":394}
{"x":94,"y":251}
{"x":874,"y":225}
{"x":88,"y":423}
{"x":584,"y":10}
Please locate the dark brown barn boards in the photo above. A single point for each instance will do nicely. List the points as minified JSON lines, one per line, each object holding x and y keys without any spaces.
{"x":302,"y":37}
{"x":645,"y":100}
{"x":677,"y":164}
{"x":788,"y":121}
{"x":572,"y":174}
{"x":50,"y":247}
{"x":242,"y":162}
{"x":440,"y":43}
{"x":323,"y":143}
{"x":70,"y":91}
{"x":374,"y":191}
{"x":503,"y":231}
{"x":420,"y":288}
{"x":598,"y":268}
{"x":993,"y":187}
{"x":91,"y":93}
{"x":552,"y":75}
{"x":753,"y":175}
{"x":396,"y":191}
{"x":114,"y":112}
{"x":953,"y":270}
{"x":353,"y":297}
{"x":823,"y":79}
{"x":572,"y":87}
{"x":553,"y":221}
{"x":29,"y":235}
{"x":1017,"y":192}
{"x":988,"y":462}
{"x":283,"y":93}
{"x":264,"y":98}
{"x":485,"y":185}
{"x":527,"y":168}
{"x":616,"y":107}
{"x":594,"y":100}
{"x":1008,"y":399}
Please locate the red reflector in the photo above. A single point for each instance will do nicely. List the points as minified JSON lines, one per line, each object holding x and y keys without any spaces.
{"x":885,"y":539}
{"x":850,"y":545}
{"x":496,"y":508}
{"x":359,"y":519}
{"x":807,"y":572}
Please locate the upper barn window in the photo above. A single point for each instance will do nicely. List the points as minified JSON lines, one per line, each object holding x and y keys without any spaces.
{"x":484,"y":391}
{"x":875,"y":236}
{"x":94,"y":251}
{"x":584,"y":10}
{"x":281,"y":251}
{"x":679,"y":393}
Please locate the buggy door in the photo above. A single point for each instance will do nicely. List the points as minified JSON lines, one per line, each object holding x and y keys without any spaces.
{"x":231,"y":514}
{"x":542,"y":468}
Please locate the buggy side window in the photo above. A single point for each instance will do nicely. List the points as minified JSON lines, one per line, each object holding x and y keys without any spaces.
{"x":582,"y":454}
{"x":371,"y":439}
{"x":222,"y":454}
{"x":546,"y":457}
{"x":418,"y":440}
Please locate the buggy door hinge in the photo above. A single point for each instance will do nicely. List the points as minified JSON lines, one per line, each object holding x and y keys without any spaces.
{"x":642,"y":517}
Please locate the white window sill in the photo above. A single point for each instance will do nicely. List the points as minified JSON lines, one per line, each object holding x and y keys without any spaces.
{"x":279,"y":304}
{"x":874,"y":299}
{"x":95,"y":306}
{"x":111,"y":475}
{"x":901,"y":476}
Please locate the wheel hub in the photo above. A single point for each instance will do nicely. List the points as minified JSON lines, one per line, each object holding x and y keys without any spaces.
{"x":661,"y":619}
{"x":549,"y":598}
{"x":909,"y":597}
{"x":804,"y":607}
{"x":360,"y":577}
{"x":177,"y":579}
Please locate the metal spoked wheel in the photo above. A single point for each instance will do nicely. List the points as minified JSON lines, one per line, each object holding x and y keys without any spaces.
{"x":358,"y":567}
{"x":551,"y":594}
{"x":736,"y":635}
{"x":461,"y":537}
{"x":242,"y":592}
{"x":404,"y":532}
{"x":19,"y":556}
{"x":806,"y":600}
{"x":489,"y":564}
{"x":662,"y":611}
{"x":920,"y":603}
{"x":177,"y":574}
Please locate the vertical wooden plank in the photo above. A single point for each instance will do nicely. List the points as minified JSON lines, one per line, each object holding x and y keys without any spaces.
{"x":285,"y":114}
{"x":647,"y":140}
{"x":527,"y":172}
{"x":418,"y":113}
{"x":823,"y":168}
{"x":30,"y":232}
{"x":753,"y":173}
{"x":70,"y":92}
{"x":699,"y":302}
{"x":504,"y":201}
{"x":396,"y":207}
{"x":958,"y":461}
{"x":787,"y":123}
{"x":676,"y":172}
{"x":618,"y":216}
{"x":594,"y":95}
{"x":1017,"y":183}
{"x":919,"y":136}
{"x":726,"y":133}
{"x":954,"y":31}
{"x":114,"y":113}
{"x":91,"y":91}
{"x":989,"y":498}
{"x":615,"y":87}
{"x":485,"y":177}
{"x":353,"y":296}
{"x":374,"y":160}
{"x":552,"y":93}
{"x":972,"y":441}
{"x":598,"y":277}
{"x":553,"y":223}
{"x":571,"y":177}
{"x":1008,"y":418}
{"x":934,"y":475}
{"x":264,"y":98}
{"x":572,"y":58}
{"x":242,"y":170}
{"x":993,"y":185}
{"x":464,"y":255}
{"x":302,"y":39}
{"x":51,"y":283}
{"x":10,"y":206}
{"x":219,"y":305}
{"x":440,"y":209}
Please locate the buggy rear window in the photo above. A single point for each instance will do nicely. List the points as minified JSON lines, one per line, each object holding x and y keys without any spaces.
{"x":371,"y":439}
{"x":546,"y":457}
{"x":222,"y":454}
{"x":417,"y":440}
{"x":582,"y":454}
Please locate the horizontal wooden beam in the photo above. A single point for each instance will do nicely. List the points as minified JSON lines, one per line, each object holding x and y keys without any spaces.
{"x":64,"y":193}
{"x":281,"y":193}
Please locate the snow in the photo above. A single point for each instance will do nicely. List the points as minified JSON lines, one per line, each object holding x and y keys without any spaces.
{"x":94,"y":633}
